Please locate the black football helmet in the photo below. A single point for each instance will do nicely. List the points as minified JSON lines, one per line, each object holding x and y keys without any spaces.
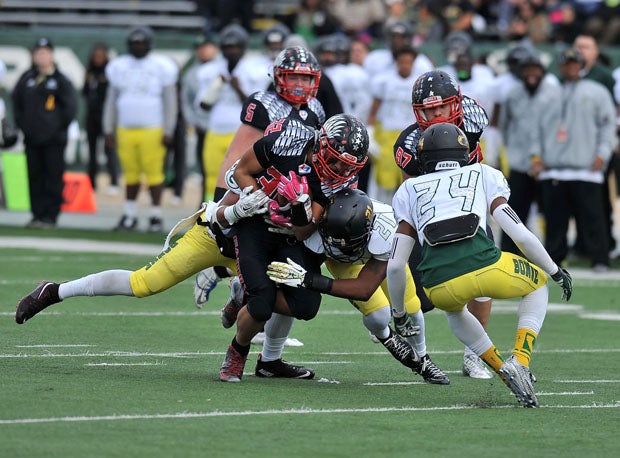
{"x":140,"y":41}
{"x":341,"y":149}
{"x":296,"y":60}
{"x":442,"y":147}
{"x":434,"y":89}
{"x":515,"y":56}
{"x":455,"y":44}
{"x":346,"y":225}
{"x":234,"y":35}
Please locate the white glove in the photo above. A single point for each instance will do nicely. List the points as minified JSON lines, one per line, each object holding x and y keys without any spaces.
{"x":249,"y":204}
{"x":374,"y":149}
{"x":288,"y":273}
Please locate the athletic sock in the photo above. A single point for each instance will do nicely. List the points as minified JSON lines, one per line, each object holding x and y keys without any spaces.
{"x":492,"y":358}
{"x":524,"y":345}
{"x":243,"y":350}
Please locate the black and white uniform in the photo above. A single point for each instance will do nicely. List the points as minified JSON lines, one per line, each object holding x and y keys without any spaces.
{"x":283,"y":148}
{"x":264,"y":107}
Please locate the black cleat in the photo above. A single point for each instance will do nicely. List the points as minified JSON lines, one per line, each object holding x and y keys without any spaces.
{"x":430,"y":372}
{"x":281,"y":369}
{"x":44,"y":295}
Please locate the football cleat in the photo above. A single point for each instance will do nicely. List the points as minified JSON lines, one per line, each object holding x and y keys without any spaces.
{"x":232,"y":367}
{"x":230,"y":311}
{"x":402,"y":351}
{"x":430,"y":372}
{"x":259,"y":339}
{"x":281,"y":369}
{"x":474,"y":367}
{"x":127,"y":223}
{"x":518,"y":378}
{"x":44,"y":295}
{"x":205,"y":282}
{"x":155,"y":224}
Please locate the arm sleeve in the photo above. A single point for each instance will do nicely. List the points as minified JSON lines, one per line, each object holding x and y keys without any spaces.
{"x":396,"y":271}
{"x":171,"y":109}
{"x":527,"y":242}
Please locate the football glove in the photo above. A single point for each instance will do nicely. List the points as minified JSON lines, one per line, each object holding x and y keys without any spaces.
{"x":405,"y":327}
{"x":293,"y":188}
{"x":565,"y":281}
{"x":249,"y":204}
{"x":278,"y":222}
{"x":287,"y":273}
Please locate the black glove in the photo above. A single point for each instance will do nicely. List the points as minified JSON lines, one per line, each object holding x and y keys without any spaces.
{"x":563,"y":278}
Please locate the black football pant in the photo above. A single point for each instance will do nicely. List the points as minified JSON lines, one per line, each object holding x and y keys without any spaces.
{"x":255,"y":248}
{"x":46,"y":166}
{"x":523,"y":193}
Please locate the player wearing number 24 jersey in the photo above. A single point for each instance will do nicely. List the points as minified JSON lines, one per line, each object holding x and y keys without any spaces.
{"x":445,"y":209}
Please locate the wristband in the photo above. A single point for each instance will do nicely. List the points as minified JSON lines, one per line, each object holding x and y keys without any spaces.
{"x":299,"y":215}
{"x":318,"y":282}
{"x":230,"y":213}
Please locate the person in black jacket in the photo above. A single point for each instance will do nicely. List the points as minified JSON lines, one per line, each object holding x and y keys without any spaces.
{"x":44,"y":104}
{"x":94,"y":91}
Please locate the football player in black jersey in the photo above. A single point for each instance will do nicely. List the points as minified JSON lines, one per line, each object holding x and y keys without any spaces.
{"x":281,"y":165}
{"x":436,"y":97}
{"x":296,"y":76}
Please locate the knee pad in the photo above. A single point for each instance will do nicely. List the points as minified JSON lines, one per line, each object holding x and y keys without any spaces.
{"x":378,"y":320}
{"x":259,"y":309}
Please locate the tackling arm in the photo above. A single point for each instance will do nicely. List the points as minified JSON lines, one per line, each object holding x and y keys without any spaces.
{"x":396,"y":273}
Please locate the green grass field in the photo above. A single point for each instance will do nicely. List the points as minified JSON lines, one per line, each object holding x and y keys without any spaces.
{"x":126,"y":377}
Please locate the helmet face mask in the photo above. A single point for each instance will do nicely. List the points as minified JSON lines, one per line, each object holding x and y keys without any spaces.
{"x":443,"y":146}
{"x":341,"y":150}
{"x":346,"y":225}
{"x":296,"y":60}
{"x":436,"y":89}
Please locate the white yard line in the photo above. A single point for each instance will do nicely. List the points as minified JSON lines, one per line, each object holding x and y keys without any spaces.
{"x":247,"y":413}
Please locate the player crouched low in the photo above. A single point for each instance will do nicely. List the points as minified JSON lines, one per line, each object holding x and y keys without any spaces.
{"x":446,"y":209}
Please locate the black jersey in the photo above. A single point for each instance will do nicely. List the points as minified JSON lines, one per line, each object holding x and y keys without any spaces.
{"x":283,"y":148}
{"x":264,"y":107}
{"x":475,"y":119}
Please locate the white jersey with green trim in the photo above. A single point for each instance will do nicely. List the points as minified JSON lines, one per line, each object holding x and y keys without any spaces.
{"x":380,"y":244}
{"x":448,"y":194}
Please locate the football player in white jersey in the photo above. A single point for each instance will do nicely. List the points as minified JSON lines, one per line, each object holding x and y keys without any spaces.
{"x":139,"y":116}
{"x":224,"y":85}
{"x":445,"y":210}
{"x":355,"y":234}
{"x":399,"y":33}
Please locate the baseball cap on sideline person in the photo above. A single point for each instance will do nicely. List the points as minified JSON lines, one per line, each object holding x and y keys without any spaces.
{"x":43,"y":42}
{"x":569,"y":55}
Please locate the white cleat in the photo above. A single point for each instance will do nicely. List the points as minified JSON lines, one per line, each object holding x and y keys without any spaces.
{"x":474,"y":367}
{"x":518,"y":378}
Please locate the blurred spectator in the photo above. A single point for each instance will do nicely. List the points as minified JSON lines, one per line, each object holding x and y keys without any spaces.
{"x":565,"y":26}
{"x":94,"y":92}
{"x":175,"y":168}
{"x":389,"y":114}
{"x":398,"y":34}
{"x":574,"y":140}
{"x":313,"y":19}
{"x":594,"y":70}
{"x":530,"y":20}
{"x":604,"y":22}
{"x":224,"y":84}
{"x":517,"y":122}
{"x":8,"y":133}
{"x":44,"y":104}
{"x":428,"y":26}
{"x":195,"y":117}
{"x":359,"y":52}
{"x":221,"y":13}
{"x":455,"y":15}
{"x":359,"y":16}
{"x":139,"y":116}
